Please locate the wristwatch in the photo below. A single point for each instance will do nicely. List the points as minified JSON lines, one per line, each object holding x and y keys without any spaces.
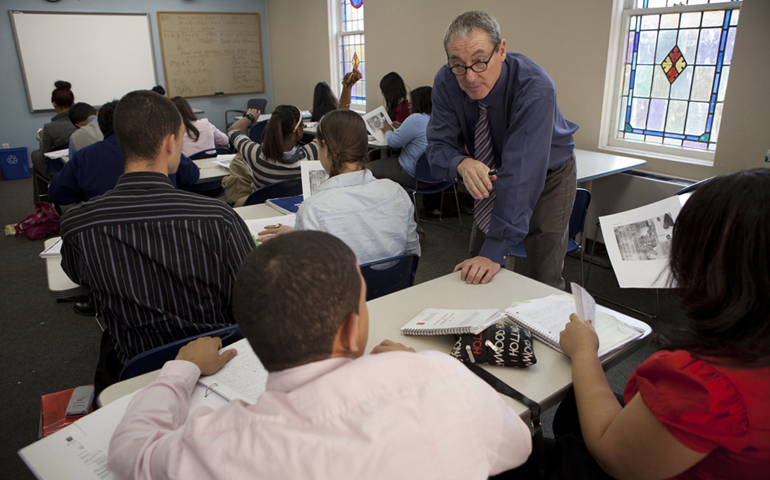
{"x":250,"y":117}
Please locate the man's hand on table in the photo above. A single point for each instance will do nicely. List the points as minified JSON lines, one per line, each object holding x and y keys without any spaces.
{"x":389,"y":346}
{"x":475,"y":177}
{"x":204,"y":352}
{"x":477,"y":270}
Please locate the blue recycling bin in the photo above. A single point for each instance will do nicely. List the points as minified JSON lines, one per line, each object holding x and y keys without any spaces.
{"x":14,"y":163}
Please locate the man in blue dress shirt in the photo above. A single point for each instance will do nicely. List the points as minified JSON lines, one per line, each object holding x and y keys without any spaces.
{"x":498,"y":110}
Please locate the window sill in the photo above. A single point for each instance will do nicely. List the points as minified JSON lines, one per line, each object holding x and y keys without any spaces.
{"x":656,"y":152}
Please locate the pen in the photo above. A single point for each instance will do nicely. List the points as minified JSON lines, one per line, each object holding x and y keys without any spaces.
{"x":492,"y":172}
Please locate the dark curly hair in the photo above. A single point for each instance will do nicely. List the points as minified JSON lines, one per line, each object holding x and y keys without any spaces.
{"x":720,"y":267}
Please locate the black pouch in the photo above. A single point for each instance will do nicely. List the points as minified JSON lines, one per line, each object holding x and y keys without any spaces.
{"x":501,"y":344}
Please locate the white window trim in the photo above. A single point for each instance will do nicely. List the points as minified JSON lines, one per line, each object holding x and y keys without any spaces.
{"x":335,"y":35}
{"x":622,"y":10}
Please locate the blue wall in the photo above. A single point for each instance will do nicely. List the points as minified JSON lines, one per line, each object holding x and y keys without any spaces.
{"x":18,"y":127}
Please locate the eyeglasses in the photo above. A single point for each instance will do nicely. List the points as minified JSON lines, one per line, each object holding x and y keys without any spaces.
{"x":478,"y":67}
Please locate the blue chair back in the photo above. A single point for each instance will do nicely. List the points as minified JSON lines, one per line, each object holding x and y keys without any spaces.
{"x":258,"y":103}
{"x":286,"y":188}
{"x":155,"y":358}
{"x":389,"y":275}
{"x":210,"y":153}
{"x":422,"y":175}
{"x":257,"y":132}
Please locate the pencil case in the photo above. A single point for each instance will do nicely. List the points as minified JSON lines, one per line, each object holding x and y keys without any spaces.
{"x":501,"y":344}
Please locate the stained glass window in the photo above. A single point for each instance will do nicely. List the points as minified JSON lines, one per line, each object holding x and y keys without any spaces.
{"x":351,"y":42}
{"x":676,"y":63}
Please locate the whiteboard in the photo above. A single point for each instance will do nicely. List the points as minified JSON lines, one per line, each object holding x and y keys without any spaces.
{"x":111,"y":55}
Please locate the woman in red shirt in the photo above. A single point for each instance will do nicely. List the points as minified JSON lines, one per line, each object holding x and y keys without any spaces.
{"x":700,"y":408}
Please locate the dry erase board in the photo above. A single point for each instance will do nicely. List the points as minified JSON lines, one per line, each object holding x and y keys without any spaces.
{"x":211,"y":53}
{"x":112,"y":56}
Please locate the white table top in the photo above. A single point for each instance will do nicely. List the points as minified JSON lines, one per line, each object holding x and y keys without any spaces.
{"x":593,"y":165}
{"x":547,"y":382}
{"x":59,"y":284}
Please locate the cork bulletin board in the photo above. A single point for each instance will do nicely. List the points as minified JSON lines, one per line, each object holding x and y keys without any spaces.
{"x":206,"y":54}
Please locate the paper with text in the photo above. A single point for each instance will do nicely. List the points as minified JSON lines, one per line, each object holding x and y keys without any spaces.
{"x":244,"y":377}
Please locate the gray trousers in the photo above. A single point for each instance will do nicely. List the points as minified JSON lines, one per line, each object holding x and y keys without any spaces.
{"x":546,"y":242}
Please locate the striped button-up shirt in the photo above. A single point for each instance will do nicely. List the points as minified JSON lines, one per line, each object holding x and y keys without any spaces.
{"x":160,"y":262}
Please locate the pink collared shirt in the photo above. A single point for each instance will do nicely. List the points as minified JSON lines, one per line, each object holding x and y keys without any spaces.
{"x":392,"y":415}
{"x":209,"y":137}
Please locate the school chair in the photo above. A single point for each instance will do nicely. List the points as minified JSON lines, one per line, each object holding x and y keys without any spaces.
{"x":577,"y":221}
{"x":155,"y":358}
{"x":389,"y":275}
{"x":286,"y":188}
{"x":258,"y":103}
{"x":210,"y":153}
{"x":425,"y":184}
{"x":257,"y":132}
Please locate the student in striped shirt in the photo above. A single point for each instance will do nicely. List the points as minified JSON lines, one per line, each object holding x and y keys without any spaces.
{"x":277,"y":159}
{"x":161,"y":262}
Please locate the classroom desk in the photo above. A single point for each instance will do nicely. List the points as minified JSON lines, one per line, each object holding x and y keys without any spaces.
{"x":592,"y":165}
{"x":210,"y":171}
{"x":59,"y":284}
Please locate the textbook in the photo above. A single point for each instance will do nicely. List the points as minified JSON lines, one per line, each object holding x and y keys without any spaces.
{"x":286,"y":205}
{"x":242,"y":378}
{"x":257,"y":225}
{"x":547,"y":317}
{"x":435,"y":321}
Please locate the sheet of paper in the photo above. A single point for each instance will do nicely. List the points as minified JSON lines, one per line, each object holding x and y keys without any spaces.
{"x":431,"y":318}
{"x":224,"y":160}
{"x":585,"y":305}
{"x":257,"y":225}
{"x":638,"y":242}
{"x":52,"y":251}
{"x":313,"y":175}
{"x":57,"y":153}
{"x":243,"y":377}
{"x":375,"y":120}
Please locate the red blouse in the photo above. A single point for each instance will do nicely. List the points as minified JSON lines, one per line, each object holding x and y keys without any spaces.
{"x":402,"y":111}
{"x":722,"y":411}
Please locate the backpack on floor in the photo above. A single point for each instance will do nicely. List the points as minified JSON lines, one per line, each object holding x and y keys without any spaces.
{"x":44,"y":222}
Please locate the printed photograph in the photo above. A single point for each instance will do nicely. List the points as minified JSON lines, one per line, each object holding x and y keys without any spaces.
{"x":646,"y":240}
{"x":317,"y":177}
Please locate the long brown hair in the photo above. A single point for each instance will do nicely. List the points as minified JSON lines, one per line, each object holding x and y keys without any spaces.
{"x":344,"y":134}
{"x":188,"y":117}
{"x":282,"y":123}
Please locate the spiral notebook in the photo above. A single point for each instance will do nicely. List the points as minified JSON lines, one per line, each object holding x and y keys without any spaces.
{"x":436,"y":321}
{"x":546,"y":318}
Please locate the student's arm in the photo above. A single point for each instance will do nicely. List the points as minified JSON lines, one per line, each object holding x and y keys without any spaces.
{"x":622,"y":440}
{"x":141,"y":447}
{"x":188,"y":173}
{"x":46,"y":142}
{"x":401,"y":137}
{"x":220,"y":139}
{"x":412,"y":237}
{"x":70,"y":149}
{"x":348,"y":81}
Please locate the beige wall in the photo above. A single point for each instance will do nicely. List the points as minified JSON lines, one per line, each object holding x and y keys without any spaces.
{"x":568,"y":38}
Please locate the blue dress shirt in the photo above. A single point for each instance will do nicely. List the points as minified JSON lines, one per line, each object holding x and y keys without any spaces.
{"x":95,"y":169}
{"x":529,"y":137}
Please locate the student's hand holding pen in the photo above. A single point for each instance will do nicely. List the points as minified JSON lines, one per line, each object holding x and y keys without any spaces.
{"x":272,"y":231}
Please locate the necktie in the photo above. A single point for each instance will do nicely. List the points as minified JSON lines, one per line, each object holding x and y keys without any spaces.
{"x":482,"y":211}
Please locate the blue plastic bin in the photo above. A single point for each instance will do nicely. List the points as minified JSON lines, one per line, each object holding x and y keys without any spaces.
{"x":14,"y":163}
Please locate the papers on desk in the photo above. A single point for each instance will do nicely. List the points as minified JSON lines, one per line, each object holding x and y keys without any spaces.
{"x":224,"y":160}
{"x":375,"y":121}
{"x":57,"y":153}
{"x":242,"y":378}
{"x":547,"y":317}
{"x":435,"y":321}
{"x":638,"y":242}
{"x":311,"y":125}
{"x":54,"y":250}
{"x":313,"y":175}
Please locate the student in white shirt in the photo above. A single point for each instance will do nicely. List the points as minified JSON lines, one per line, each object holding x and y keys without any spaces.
{"x":374,"y":217}
{"x":328,"y":411}
{"x":200,"y":134}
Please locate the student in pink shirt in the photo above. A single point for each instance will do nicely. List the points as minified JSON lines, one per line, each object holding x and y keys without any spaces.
{"x":328,"y":411}
{"x":200,"y":134}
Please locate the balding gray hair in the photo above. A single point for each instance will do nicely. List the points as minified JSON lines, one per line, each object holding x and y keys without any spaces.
{"x":465,"y":24}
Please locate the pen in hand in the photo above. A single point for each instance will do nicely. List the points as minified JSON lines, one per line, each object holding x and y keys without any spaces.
{"x":493,"y":171}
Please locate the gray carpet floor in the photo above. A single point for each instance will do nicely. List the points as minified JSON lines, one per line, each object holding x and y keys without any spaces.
{"x":46,"y":347}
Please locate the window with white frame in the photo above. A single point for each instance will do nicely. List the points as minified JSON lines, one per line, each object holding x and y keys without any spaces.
{"x":667,"y":83}
{"x":347,"y":28}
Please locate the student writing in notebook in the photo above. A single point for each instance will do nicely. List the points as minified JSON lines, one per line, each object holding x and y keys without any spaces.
{"x":328,"y":411}
{"x":698,"y":408}
{"x":374,"y":217}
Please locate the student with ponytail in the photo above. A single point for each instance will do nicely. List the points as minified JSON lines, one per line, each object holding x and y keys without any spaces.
{"x":375,"y":218}
{"x":277,"y":159}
